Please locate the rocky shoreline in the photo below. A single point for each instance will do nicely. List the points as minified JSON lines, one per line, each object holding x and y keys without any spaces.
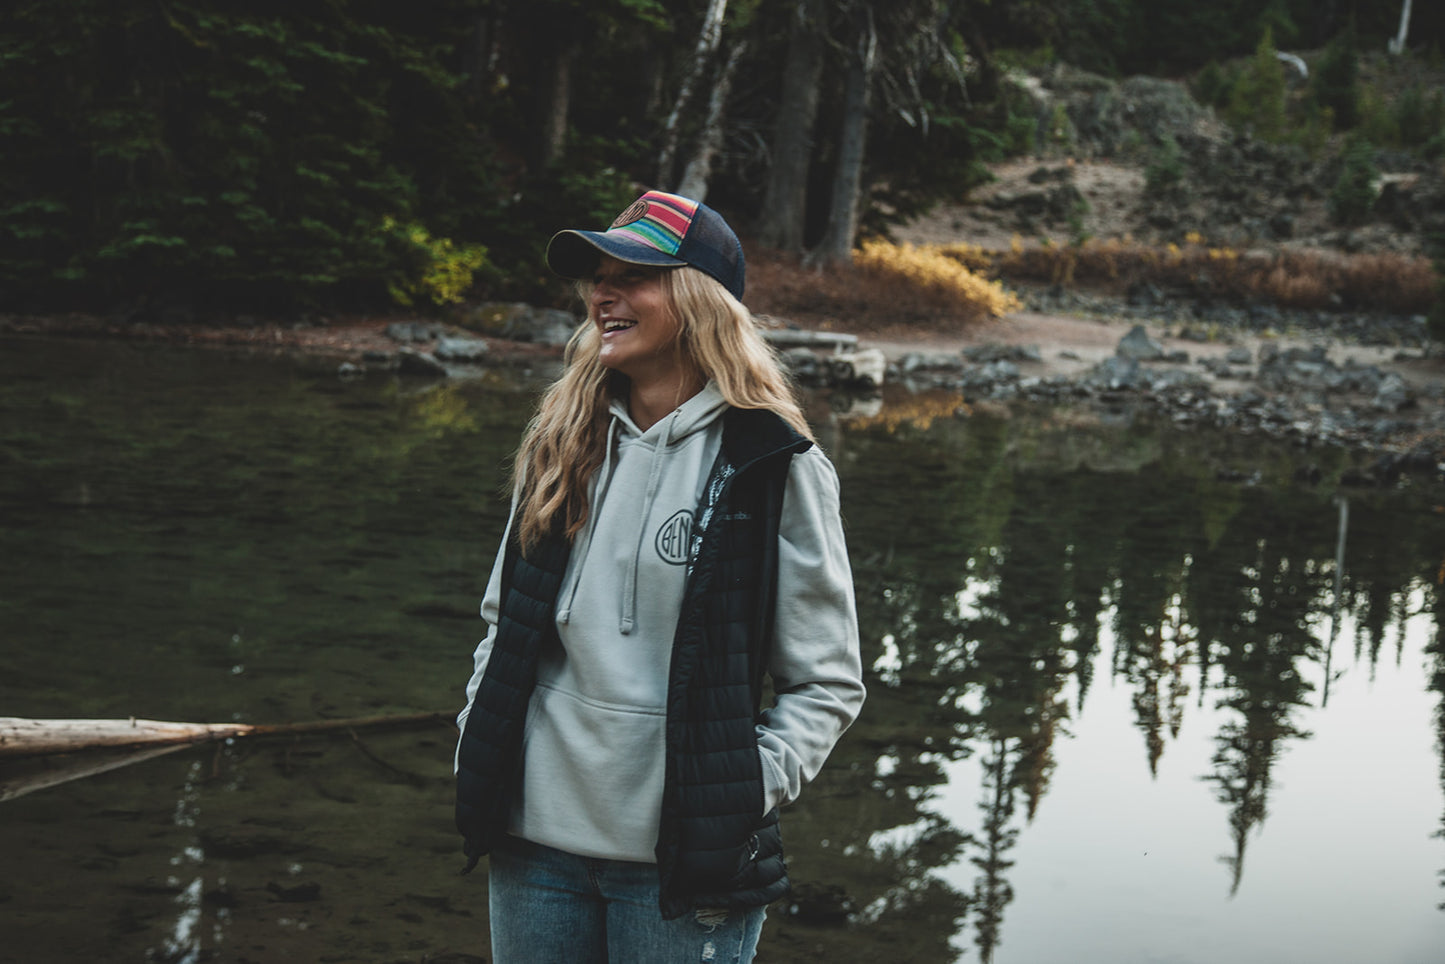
{"x":1365,"y":382}
{"x":1296,"y":394}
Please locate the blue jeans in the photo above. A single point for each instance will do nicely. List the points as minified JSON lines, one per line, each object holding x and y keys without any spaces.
{"x":547,"y":906}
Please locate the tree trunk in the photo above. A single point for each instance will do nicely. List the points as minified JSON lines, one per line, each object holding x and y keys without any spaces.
{"x":837,"y":243}
{"x":699,"y":169}
{"x":707,"y":44}
{"x":785,"y":200}
{"x":986,"y":72}
{"x":478,"y":56}
{"x":558,"y":106}
{"x":1397,"y":46}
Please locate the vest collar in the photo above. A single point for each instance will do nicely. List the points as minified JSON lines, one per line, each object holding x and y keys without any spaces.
{"x":753,"y":434}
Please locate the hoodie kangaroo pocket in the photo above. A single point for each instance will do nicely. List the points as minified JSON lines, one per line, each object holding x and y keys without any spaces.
{"x":593,"y":780}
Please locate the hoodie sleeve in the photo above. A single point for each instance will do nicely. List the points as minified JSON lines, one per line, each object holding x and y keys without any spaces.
{"x":815,"y":663}
{"x":491,"y":611}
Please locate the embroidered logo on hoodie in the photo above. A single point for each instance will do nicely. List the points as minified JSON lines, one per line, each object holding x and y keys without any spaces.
{"x":674,"y":537}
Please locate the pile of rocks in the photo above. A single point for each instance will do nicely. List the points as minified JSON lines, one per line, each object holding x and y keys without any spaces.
{"x":1203,"y":321}
{"x":1294,"y":393}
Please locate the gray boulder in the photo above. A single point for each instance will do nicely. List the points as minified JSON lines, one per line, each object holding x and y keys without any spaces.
{"x":412,"y":362}
{"x":1138,"y":346}
{"x":518,"y":321}
{"x":413,"y":331}
{"x":918,"y":361}
{"x":1001,"y":371}
{"x":1393,"y":394}
{"x":1177,"y":379}
{"x":461,"y":349}
{"x":1114,"y":374}
{"x":993,"y":352}
{"x":803,"y":363}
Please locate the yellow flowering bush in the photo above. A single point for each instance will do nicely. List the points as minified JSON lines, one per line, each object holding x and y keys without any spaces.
{"x":934,"y":274}
{"x":443,"y":270}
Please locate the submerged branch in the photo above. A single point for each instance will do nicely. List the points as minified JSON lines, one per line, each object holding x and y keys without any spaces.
{"x":38,"y":754}
{"x":27,"y":737}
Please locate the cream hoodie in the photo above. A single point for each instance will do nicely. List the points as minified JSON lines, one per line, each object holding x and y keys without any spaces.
{"x":594,"y":746}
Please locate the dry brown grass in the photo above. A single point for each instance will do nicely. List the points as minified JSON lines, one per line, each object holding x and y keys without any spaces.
{"x":1292,"y":279}
{"x":897,"y":287}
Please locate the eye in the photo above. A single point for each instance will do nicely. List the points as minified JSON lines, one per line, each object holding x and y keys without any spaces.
{"x":625,"y":276}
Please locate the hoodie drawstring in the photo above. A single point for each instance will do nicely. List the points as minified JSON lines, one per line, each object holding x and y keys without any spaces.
{"x":654,"y":478}
{"x":604,"y":478}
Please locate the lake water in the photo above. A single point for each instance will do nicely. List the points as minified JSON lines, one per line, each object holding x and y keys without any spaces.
{"x":1124,"y":704}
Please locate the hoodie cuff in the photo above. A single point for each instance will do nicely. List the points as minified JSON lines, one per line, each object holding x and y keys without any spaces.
{"x":772,"y":783}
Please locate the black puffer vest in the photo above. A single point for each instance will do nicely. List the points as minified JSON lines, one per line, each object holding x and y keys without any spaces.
{"x":715,"y":848}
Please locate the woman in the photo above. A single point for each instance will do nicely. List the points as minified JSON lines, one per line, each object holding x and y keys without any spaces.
{"x":674,"y":536}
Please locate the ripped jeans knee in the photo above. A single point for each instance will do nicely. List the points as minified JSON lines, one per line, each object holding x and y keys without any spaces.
{"x":712,"y":917}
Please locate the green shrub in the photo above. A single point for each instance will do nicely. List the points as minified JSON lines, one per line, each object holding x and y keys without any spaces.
{"x":1214,"y":86}
{"x":1312,"y":130}
{"x":1020,"y":133}
{"x":1418,"y":118}
{"x":1165,"y":168}
{"x":1258,"y":99}
{"x":1060,"y":133}
{"x":1336,"y":81}
{"x":1378,"y":122}
{"x":1409,"y":110}
{"x":1354,"y":191}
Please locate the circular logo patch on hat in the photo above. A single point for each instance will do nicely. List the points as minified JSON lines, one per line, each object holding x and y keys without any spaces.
{"x":636,"y":212}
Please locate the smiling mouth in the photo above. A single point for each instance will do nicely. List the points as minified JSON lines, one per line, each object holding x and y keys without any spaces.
{"x":616,"y":325}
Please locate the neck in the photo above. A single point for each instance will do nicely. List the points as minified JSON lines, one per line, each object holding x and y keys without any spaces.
{"x":649,"y":402}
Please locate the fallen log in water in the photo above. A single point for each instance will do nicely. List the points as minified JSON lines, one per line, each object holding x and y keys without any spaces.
{"x":38,"y":754}
{"x":26,"y":737}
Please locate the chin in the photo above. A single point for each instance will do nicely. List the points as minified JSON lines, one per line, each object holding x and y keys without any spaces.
{"x":615,"y":366}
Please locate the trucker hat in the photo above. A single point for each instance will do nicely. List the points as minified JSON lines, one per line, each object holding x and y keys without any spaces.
{"x":660,"y":229}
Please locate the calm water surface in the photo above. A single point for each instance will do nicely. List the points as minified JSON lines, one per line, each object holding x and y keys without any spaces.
{"x":1124,"y":706}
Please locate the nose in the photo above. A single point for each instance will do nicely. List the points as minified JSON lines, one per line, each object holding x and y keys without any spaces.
{"x":603,"y":294}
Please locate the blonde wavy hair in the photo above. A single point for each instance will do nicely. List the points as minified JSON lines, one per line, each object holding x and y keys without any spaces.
{"x":564,"y":442}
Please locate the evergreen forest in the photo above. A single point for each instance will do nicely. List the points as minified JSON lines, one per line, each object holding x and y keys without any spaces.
{"x":350,"y":154}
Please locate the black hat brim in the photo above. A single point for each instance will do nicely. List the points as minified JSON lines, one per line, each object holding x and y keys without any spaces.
{"x":575,"y":254}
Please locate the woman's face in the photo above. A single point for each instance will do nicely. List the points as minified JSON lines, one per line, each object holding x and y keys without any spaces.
{"x":629,"y":306}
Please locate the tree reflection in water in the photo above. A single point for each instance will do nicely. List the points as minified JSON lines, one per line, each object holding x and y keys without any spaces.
{"x":1436,"y":652}
{"x":983,"y":584}
{"x":279,"y":546}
